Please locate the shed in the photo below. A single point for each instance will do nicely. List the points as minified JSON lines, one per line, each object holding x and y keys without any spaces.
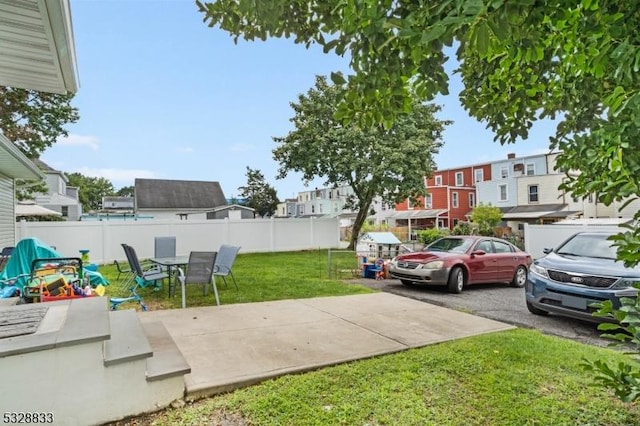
{"x":378,"y":245}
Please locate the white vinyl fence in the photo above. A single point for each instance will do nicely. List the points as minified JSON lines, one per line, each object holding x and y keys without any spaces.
{"x":539,"y":237}
{"x":104,"y":239}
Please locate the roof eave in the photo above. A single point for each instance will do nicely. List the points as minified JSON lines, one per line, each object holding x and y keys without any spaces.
{"x":38,"y":51}
{"x":16,"y":165}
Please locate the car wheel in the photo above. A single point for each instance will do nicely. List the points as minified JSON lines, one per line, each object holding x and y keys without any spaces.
{"x":520,"y":277}
{"x":407,"y":282}
{"x":456,"y":280}
{"x":535,"y":310}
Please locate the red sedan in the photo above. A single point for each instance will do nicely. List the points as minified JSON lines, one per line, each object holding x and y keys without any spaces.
{"x":458,"y":261}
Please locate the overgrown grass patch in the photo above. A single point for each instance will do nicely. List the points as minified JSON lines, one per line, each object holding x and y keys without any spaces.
{"x":518,"y":377}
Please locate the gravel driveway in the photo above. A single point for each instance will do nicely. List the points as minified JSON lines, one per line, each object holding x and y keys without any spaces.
{"x":496,"y":301}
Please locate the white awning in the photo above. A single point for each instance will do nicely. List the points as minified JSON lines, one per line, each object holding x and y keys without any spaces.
{"x":32,"y":209}
{"x":526,"y":215}
{"x":417,"y":214}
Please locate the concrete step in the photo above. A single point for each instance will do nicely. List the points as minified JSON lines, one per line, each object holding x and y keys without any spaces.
{"x":128,"y":339}
{"x":167,"y":360}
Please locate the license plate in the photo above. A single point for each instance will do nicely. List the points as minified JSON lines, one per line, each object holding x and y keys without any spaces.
{"x":574,"y":302}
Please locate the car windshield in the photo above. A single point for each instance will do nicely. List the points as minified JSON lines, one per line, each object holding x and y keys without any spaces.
{"x":451,"y":245}
{"x":589,"y":245}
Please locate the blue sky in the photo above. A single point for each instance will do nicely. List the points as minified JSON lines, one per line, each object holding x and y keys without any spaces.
{"x":164,"y":96}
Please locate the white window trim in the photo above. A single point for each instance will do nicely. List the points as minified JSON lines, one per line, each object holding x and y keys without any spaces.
{"x":428,"y":201}
{"x":472,"y":199}
{"x":455,"y":201}
{"x":537,"y":193}
{"x":461,"y":175}
{"x":502,"y":169}
{"x":506,"y":192}
{"x":478,"y":173}
{"x":526,"y":169}
{"x":438,"y":180}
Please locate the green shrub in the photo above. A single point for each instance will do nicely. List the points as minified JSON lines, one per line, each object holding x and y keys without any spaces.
{"x":463,"y":228}
{"x":428,"y":236}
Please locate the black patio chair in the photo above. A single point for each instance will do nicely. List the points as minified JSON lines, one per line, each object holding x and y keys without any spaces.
{"x":144,"y":278}
{"x":122,"y":269}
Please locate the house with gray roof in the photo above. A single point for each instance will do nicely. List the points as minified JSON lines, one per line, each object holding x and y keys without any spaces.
{"x":232,"y":211}
{"x":177,"y":199}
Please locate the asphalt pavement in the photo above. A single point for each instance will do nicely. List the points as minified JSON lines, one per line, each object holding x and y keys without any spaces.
{"x":494,"y":301}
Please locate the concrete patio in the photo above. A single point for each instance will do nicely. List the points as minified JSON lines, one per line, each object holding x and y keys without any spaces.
{"x":232,"y":346}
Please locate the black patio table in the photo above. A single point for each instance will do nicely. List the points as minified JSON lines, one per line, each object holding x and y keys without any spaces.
{"x":171,"y":262}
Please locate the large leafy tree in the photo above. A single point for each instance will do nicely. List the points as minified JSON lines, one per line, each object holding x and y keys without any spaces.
{"x":258,"y":194}
{"x":374,"y":161}
{"x":520,"y":60}
{"x":33,"y":120}
{"x":91,"y":190}
{"x":126,"y":191}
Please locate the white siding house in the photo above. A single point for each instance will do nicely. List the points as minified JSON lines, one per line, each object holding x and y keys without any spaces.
{"x":13,"y":165}
{"x":59,"y":197}
{"x":38,"y":53}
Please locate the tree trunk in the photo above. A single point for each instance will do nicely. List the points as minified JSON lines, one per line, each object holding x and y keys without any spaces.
{"x":363,"y":212}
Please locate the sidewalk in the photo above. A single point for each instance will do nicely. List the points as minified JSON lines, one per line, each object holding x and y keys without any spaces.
{"x":233,"y":346}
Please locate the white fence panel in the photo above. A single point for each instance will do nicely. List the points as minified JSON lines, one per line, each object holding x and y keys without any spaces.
{"x":104,"y":239}
{"x":539,"y":237}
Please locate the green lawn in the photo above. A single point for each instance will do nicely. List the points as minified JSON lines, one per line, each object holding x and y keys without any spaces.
{"x":262,"y":277}
{"x":518,"y":377}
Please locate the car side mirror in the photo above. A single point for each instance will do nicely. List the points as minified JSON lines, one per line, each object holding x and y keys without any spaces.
{"x":547,"y":250}
{"x":478,"y":253}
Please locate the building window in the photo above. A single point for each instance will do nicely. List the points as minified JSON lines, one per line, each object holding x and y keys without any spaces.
{"x":479,"y":175}
{"x":531,"y":169}
{"x":533,"y":193}
{"x":320,"y":207}
{"x":504,"y":172}
{"x":438,"y":180}
{"x":454,"y":199}
{"x":459,"y":179}
{"x":313,"y":208}
{"x":428,"y":201}
{"x":409,"y":204}
{"x":502,"y":193}
{"x":472,"y":199}
{"x":65,"y":211}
